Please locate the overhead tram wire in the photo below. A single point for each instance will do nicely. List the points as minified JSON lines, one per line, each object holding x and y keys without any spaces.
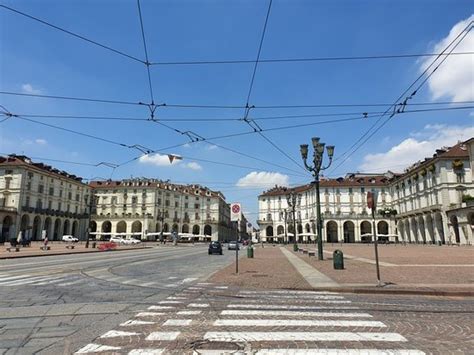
{"x":147,"y":63}
{"x":116,"y":51}
{"x":67,"y":161}
{"x":302,"y":60}
{"x":250,"y":122}
{"x":255,"y":107}
{"x":367,"y":134}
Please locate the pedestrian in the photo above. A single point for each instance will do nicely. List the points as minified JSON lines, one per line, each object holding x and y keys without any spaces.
{"x":19,"y":239}
{"x":45,"y":241}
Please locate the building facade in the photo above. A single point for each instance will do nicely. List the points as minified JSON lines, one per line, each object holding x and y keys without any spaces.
{"x":39,"y":200}
{"x":432,"y":200}
{"x":145,"y":208}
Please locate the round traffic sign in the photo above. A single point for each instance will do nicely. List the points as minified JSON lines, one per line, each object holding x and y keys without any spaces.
{"x":235,"y":208}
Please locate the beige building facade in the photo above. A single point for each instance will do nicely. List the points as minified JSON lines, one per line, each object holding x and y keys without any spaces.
{"x":38,"y":200}
{"x":432,"y":200}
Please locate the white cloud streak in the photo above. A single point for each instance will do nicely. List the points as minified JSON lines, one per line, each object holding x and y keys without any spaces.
{"x":419,"y":146}
{"x":263,"y":179}
{"x":29,"y":89}
{"x":455,"y":77}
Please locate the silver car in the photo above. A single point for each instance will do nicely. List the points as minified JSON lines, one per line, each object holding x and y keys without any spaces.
{"x":233,"y":245}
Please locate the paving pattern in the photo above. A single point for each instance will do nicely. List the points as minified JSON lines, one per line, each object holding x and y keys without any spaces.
{"x":214,"y":319}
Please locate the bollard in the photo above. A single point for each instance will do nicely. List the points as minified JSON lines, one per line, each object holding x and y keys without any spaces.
{"x":338,"y":259}
{"x":439,"y":243}
{"x":250,"y":252}
{"x":93,"y":245}
{"x":295,"y":247}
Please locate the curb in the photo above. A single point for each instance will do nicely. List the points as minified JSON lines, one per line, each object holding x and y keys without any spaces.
{"x":381,"y":291}
{"x":20,"y":256}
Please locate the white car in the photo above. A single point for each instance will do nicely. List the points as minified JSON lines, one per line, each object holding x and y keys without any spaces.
{"x":118,"y":240}
{"x":134,"y":241}
{"x":69,"y":238}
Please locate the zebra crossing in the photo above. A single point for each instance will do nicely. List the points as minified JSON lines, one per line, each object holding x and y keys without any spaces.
{"x":209,"y":319}
{"x":59,"y":280}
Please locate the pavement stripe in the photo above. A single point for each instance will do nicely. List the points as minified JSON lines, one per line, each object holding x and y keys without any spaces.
{"x":293,"y":313}
{"x":292,"y":299}
{"x":176,"y":298}
{"x":291,"y":292}
{"x":160,"y":307}
{"x":135,"y":322}
{"x":117,"y":333}
{"x":189,"y":279}
{"x":96,"y":348}
{"x":198,"y":305}
{"x":149,"y":314}
{"x":319,"y":352}
{"x":302,"y":336}
{"x":13,"y":278}
{"x":175,"y":322}
{"x":222,"y":287}
{"x":298,"y":323}
{"x":170,"y":302}
{"x":70,"y":283}
{"x":163,"y":336}
{"x":26,"y":281}
{"x":188,"y":313}
{"x":146,"y":352}
{"x":284,"y":306}
{"x":305,"y":297}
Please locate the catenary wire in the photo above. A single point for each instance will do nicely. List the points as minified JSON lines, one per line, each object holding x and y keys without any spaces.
{"x":147,"y":63}
{"x":367,"y":134}
{"x":72,"y":33}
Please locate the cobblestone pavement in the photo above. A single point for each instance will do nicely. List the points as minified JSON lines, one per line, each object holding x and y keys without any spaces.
{"x":208,"y":318}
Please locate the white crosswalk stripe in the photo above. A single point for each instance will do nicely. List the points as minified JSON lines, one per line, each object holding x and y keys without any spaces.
{"x":39,"y":280}
{"x":277,"y":317}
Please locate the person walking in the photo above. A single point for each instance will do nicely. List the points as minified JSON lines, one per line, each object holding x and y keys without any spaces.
{"x":19,"y":239}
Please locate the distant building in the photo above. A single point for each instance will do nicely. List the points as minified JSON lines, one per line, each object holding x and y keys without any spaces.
{"x":145,"y":208}
{"x":38,"y":199}
{"x":433,"y":200}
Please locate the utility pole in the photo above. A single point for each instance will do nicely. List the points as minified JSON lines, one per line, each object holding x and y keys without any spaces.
{"x":286,"y":234}
{"x":372,"y":203}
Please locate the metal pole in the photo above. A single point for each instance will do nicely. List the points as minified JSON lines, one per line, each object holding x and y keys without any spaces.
{"x":294,"y":222}
{"x":376,"y":249}
{"x":319,"y":222}
{"x":286,"y":227}
{"x":237,"y":248}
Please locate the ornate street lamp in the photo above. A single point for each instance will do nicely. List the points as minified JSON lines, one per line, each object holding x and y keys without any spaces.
{"x":293,"y":200}
{"x":315,"y":169}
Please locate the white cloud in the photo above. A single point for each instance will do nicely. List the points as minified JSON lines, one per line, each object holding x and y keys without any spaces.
{"x":41,"y":141}
{"x":454,"y":78}
{"x":419,"y":146}
{"x":29,"y":89}
{"x":157,"y":159}
{"x":163,"y":160}
{"x":263,"y":179}
{"x":212,"y":147}
{"x":193,"y":166}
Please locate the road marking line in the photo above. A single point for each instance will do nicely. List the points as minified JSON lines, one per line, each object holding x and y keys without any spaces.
{"x":146,"y":352}
{"x":318,"y":352}
{"x":173,"y":322}
{"x":162,"y":336}
{"x":293,"y":313}
{"x":135,"y":322}
{"x":302,"y":336}
{"x":204,"y":283}
{"x":117,"y":333}
{"x":170,"y":302}
{"x":149,"y":314}
{"x":189,"y":279}
{"x":171,"y":285}
{"x":221,"y":287}
{"x":172,"y":278}
{"x":96,"y":348}
{"x":188,"y":313}
{"x":25,"y":281}
{"x":298,"y":323}
{"x":250,"y":300}
{"x":290,"y":292}
{"x":176,"y":298}
{"x":160,"y":307}
{"x":70,"y":283}
{"x":198,"y":305}
{"x":13,"y":278}
{"x":306,"y":297}
{"x":283,"y":306}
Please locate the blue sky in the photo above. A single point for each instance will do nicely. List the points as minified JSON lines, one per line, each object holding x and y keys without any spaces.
{"x":38,"y":59}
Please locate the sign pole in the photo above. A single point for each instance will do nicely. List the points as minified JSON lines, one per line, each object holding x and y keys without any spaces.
{"x":237,"y":248}
{"x":372,"y":202}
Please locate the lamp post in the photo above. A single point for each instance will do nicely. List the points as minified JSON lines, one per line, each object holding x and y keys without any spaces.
{"x":286,"y":227}
{"x":293,"y":199}
{"x":315,"y":169}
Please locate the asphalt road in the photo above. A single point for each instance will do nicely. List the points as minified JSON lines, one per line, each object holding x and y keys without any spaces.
{"x":54,"y":305}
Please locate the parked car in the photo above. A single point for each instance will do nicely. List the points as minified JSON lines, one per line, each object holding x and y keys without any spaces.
{"x":69,"y":238}
{"x":131,"y":241}
{"x":118,"y":240}
{"x":215,"y":248}
{"x":233,"y":245}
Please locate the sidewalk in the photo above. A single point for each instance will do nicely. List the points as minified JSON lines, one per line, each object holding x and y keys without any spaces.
{"x":430,"y":270}
{"x":57,"y":248}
